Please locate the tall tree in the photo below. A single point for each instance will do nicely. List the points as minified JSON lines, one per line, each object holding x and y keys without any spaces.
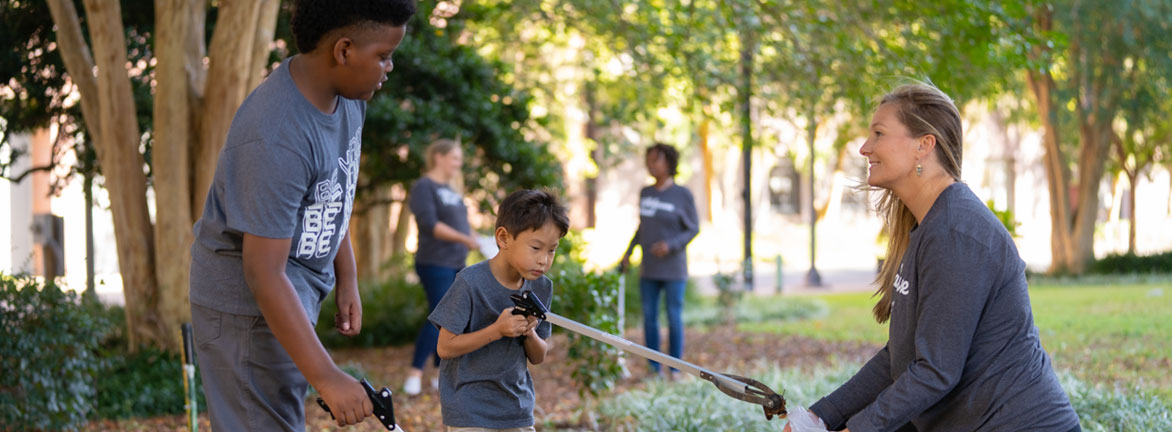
{"x":1079,"y":82}
{"x":188,"y":120}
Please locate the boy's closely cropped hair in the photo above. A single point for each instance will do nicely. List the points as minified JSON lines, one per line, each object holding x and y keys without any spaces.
{"x":484,"y":375}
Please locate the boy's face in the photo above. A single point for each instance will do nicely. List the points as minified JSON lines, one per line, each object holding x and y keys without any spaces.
{"x":365,"y":60}
{"x":531,"y":252}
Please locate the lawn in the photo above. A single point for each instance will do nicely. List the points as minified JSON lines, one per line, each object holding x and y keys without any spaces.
{"x":1113,"y":335}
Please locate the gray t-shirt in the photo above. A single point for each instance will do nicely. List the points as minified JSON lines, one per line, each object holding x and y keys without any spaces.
{"x":431,"y":203}
{"x":490,"y":387}
{"x":287,"y":170}
{"x":963,"y":353}
{"x":669,"y":216}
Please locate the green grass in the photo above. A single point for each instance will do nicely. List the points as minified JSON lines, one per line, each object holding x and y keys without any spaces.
{"x":1116,"y":336}
{"x":1113,"y":335}
{"x":846,"y":317}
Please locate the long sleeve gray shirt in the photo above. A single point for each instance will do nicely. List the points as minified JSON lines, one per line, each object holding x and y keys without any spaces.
{"x":963,"y":353}
{"x":668,"y":216}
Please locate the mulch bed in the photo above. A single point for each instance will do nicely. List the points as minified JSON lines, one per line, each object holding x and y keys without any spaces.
{"x":558,"y":403}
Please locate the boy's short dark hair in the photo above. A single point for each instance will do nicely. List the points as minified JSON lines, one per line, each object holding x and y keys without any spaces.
{"x":670,"y":155}
{"x":531,"y":209}
{"x":313,"y":19}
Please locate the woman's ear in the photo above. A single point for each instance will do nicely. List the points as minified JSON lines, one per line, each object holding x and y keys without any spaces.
{"x":927,"y":144}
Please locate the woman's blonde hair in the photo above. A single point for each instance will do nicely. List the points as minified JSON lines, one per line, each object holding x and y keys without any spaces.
{"x":438,"y":147}
{"x":924,"y":110}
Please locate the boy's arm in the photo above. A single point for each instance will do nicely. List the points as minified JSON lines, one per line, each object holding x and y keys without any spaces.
{"x":264,"y":271}
{"x":451,"y":345}
{"x":348,"y":321}
{"x":535,"y":346}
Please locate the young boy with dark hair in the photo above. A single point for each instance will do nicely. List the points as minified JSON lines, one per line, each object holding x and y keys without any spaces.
{"x":272,"y":241}
{"x":484,"y":381}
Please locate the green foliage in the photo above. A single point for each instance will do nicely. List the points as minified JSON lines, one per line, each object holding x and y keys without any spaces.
{"x":34,"y":71}
{"x":1006,"y":217}
{"x":145,"y":383}
{"x":1131,"y":263}
{"x":392,"y":312}
{"x":442,"y":89}
{"x":48,"y":338}
{"x":695,"y":405}
{"x":1113,"y":410}
{"x":591,"y":299}
{"x":728,"y":295}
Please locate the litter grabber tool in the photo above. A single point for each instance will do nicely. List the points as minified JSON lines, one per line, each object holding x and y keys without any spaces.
{"x":384,"y":407}
{"x":737,"y":387}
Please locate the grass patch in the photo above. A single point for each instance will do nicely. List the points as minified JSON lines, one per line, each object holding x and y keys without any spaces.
{"x":842,"y":317}
{"x":696,"y":405}
{"x":1116,"y":334}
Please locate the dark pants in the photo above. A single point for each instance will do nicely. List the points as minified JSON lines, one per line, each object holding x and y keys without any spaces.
{"x":650,"y":291}
{"x":250,"y":382}
{"x":436,"y":280}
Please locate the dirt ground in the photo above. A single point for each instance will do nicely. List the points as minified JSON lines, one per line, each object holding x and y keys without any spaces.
{"x":720,"y":349}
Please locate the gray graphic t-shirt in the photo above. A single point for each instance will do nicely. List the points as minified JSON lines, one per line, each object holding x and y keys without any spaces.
{"x":668,"y":216}
{"x":431,"y":203}
{"x":490,"y":387}
{"x":287,"y":170}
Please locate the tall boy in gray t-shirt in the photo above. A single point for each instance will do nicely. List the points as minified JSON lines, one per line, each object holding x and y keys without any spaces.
{"x":484,"y":381}
{"x":272,"y":240}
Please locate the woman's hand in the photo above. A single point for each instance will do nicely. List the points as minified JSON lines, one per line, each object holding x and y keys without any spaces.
{"x":660,"y":249}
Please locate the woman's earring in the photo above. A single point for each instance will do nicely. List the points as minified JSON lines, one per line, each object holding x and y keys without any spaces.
{"x":919,"y":170}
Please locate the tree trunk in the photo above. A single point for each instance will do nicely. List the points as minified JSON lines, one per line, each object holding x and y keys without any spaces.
{"x":399,"y":240}
{"x":1132,"y":179}
{"x":156,"y":288}
{"x":706,"y":153}
{"x":230,"y":74}
{"x":122,"y":165}
{"x":179,"y":25}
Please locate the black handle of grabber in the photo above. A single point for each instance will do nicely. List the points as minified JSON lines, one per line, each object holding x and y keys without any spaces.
{"x":384,"y":407}
{"x":525,"y":303}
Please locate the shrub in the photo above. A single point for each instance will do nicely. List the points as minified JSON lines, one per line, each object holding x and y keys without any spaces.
{"x":591,"y":299}
{"x":48,"y":339}
{"x":696,"y":405}
{"x":1130,"y":263}
{"x":392,"y":313}
{"x":145,"y":383}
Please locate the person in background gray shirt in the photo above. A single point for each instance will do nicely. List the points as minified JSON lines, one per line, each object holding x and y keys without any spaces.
{"x":963,"y":353}
{"x":444,"y":241}
{"x":667,"y":223}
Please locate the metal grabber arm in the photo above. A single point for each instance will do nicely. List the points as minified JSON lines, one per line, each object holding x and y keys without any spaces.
{"x":737,"y":387}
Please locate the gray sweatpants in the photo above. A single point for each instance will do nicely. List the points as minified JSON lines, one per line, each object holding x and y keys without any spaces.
{"x":250,"y":382}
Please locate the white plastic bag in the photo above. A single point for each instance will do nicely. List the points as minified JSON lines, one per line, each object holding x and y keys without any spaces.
{"x":801,"y":420}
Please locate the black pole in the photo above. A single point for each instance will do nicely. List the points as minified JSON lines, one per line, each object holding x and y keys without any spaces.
{"x":746,"y":151}
{"x":88,"y":185}
{"x":812,"y":278}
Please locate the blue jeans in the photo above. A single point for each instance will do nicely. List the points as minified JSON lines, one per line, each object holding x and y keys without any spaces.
{"x":436,"y":280}
{"x":649,"y":290}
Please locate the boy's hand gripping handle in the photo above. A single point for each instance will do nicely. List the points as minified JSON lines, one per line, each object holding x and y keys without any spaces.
{"x":525,"y":303}
{"x":384,"y":407}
